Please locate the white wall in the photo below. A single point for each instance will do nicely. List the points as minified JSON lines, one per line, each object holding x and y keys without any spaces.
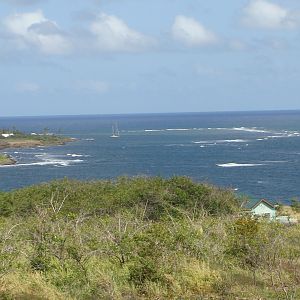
{"x":263,"y":209}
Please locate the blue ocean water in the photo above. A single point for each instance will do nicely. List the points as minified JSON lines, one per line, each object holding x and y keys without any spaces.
{"x":255,"y":153}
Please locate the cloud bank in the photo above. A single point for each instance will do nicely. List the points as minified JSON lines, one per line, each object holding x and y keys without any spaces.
{"x":105,"y":33}
{"x":35,"y":30}
{"x":267,"y":15}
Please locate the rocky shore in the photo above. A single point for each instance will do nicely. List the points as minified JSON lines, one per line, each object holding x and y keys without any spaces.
{"x":29,"y":142}
{"x":6,"y":160}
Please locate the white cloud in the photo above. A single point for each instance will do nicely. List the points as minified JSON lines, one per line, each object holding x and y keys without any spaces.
{"x":29,"y":87}
{"x":34,"y":30}
{"x":94,"y":86}
{"x":191,"y":33}
{"x":267,"y":15}
{"x":113,"y":34}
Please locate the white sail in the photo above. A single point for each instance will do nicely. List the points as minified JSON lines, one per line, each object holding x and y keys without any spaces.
{"x":115,"y":131}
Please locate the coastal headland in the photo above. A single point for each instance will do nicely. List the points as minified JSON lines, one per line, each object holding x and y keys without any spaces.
{"x":17,"y":139}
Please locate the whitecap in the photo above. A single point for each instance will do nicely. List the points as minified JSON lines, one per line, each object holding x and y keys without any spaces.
{"x":276,"y":161}
{"x":233,"y":141}
{"x":277,"y":136}
{"x":250,"y":129}
{"x":49,"y":162}
{"x":178,"y":129}
{"x":176,"y":145}
{"x":41,"y":155}
{"x":202,"y":142}
{"x":153,"y":130}
{"x":221,"y":141}
{"x":75,"y":155}
{"x":234,"y":165}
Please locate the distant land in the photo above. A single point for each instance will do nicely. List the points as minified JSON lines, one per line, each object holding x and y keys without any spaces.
{"x":17,"y":139}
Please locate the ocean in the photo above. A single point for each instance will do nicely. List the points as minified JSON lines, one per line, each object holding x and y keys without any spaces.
{"x":254,"y":153}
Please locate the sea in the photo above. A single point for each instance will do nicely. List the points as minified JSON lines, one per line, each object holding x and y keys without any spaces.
{"x":254,"y":153}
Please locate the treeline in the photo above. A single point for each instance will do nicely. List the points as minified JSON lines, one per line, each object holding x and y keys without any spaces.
{"x":45,"y":137}
{"x":17,"y":132}
{"x":12,"y":130}
{"x":141,"y":238}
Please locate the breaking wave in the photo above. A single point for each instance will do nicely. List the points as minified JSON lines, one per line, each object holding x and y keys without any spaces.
{"x":250,"y":129}
{"x":222,"y":141}
{"x":235,"y":165}
{"x":75,"y":155}
{"x":262,"y":163}
{"x":63,"y":163}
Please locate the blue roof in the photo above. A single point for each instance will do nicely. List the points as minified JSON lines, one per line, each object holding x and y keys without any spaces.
{"x":254,"y":202}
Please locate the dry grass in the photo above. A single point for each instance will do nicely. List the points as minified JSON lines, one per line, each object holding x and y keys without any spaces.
{"x":289,"y":211}
{"x":140,"y":243}
{"x":29,"y":286}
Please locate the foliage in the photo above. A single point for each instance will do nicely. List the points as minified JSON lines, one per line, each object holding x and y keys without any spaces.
{"x":22,"y":139}
{"x":141,"y":238}
{"x":295,"y":204}
{"x":4,"y":159}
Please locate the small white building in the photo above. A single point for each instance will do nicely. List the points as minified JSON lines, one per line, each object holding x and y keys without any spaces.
{"x":6,"y":135}
{"x":262,"y":208}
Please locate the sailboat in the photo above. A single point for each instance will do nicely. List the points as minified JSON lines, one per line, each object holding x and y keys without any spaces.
{"x":115,"y":131}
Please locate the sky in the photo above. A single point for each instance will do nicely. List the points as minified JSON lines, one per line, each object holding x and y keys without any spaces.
{"x":76,"y":57}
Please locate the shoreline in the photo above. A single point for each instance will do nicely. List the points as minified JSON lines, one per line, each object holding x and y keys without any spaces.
{"x":7,"y":160}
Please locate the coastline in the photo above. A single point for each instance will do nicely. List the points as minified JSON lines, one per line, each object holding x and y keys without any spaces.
{"x":25,"y":142}
{"x":6,"y":160}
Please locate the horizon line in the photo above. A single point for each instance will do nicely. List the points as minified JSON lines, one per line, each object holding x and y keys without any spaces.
{"x":154,"y":113}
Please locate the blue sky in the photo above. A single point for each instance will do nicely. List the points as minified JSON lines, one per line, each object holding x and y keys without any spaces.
{"x":138,"y":56}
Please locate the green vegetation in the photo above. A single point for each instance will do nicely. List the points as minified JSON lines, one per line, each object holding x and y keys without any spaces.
{"x":295,"y":204}
{"x":6,"y":160}
{"x":141,"y":238}
{"x":19,"y":139}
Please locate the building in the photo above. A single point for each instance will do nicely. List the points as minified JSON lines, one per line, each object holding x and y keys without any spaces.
{"x":6,"y":135}
{"x":261,"y":208}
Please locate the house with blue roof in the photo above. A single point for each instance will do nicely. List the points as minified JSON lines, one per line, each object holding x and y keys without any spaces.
{"x":261,"y":208}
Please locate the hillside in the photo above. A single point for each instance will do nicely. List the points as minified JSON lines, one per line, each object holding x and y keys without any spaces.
{"x":141,"y":238}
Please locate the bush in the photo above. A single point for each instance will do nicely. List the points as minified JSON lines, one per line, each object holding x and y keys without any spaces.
{"x":141,"y":238}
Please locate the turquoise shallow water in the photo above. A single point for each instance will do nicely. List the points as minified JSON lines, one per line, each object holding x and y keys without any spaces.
{"x":256,"y":153}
